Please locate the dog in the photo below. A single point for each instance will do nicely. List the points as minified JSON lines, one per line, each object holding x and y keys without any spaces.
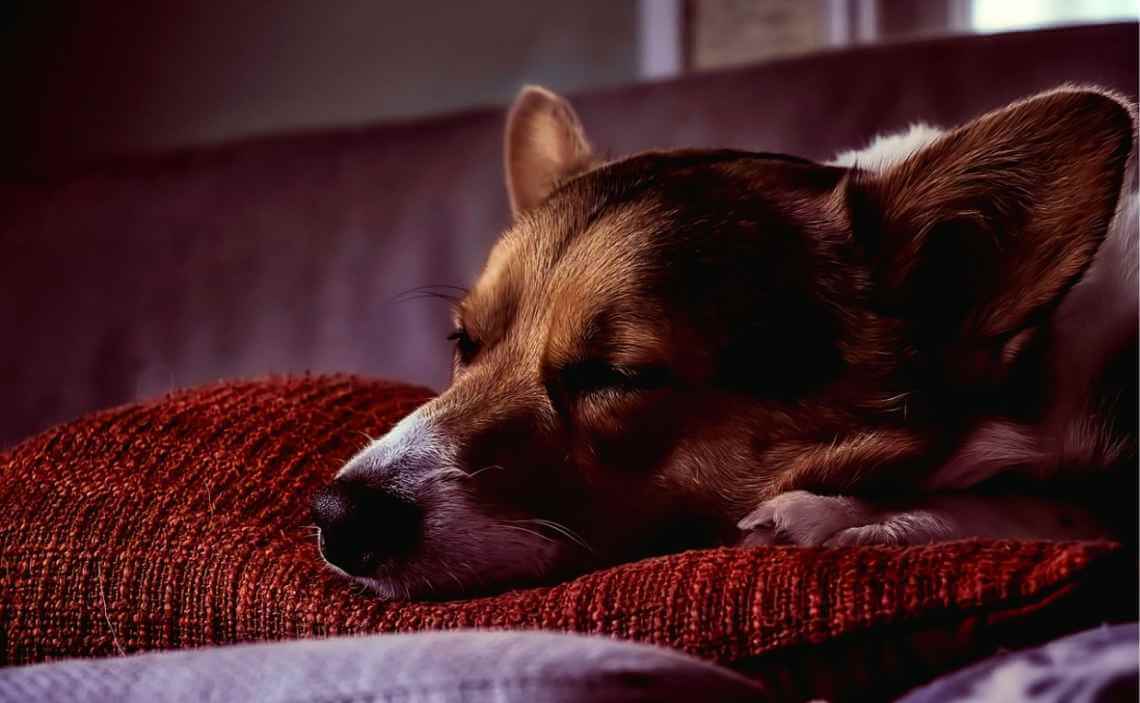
{"x":931,"y":338}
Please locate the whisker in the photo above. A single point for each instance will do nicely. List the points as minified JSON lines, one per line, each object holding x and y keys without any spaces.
{"x":429,"y":287}
{"x":562,"y":530}
{"x":437,"y":291}
{"x":894,"y":403}
{"x":529,"y":532}
{"x":454,"y":578}
{"x":426,"y":296}
{"x":473,"y":474}
{"x":461,"y":289}
{"x":452,"y":472}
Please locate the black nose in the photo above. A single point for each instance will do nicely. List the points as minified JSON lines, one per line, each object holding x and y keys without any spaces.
{"x":362,"y":526}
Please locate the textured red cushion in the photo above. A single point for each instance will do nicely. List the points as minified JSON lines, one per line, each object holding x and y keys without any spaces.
{"x":183,"y":522}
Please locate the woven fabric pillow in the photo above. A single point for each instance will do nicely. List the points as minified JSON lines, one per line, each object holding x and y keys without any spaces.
{"x":183,"y":522}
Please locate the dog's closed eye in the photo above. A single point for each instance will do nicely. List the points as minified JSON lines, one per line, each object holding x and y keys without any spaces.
{"x":596,"y":375}
{"x":465,"y":347}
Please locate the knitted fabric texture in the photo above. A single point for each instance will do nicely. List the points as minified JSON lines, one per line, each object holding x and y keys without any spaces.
{"x":184,"y":522}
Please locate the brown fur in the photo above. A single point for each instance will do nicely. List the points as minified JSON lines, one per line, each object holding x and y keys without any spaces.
{"x":661,"y":343}
{"x":804,"y":319}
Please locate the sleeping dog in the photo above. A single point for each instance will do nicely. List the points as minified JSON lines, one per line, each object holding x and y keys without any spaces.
{"x":931,"y":338}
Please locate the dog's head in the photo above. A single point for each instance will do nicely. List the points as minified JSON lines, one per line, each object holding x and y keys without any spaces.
{"x":660,"y":342}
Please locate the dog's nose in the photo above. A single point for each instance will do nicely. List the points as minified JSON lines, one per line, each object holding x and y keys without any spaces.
{"x":362,"y":526}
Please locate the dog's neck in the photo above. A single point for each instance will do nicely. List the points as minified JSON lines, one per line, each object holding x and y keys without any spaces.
{"x":1087,"y":363}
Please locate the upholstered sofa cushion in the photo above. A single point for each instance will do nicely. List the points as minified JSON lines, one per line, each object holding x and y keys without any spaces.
{"x":184,"y":522}
{"x":421,"y":667}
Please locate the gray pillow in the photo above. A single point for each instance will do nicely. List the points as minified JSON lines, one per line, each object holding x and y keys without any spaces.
{"x":432,"y":667}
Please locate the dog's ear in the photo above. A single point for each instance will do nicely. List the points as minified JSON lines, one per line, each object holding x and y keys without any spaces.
{"x":544,"y":144}
{"x":973,"y":238}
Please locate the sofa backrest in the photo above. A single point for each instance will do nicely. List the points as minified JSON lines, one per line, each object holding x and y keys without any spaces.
{"x":291,"y":253}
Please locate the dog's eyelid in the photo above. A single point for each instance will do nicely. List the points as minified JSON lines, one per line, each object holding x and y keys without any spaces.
{"x":465,"y":346}
{"x":599,"y":374}
{"x":461,"y":331}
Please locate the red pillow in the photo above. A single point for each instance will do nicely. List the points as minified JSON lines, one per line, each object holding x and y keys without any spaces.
{"x":183,"y":522}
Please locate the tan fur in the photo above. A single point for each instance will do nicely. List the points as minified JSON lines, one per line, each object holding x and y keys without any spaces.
{"x":982,"y":179}
{"x":544,"y":144}
{"x":664,"y":346}
{"x":1058,"y":155}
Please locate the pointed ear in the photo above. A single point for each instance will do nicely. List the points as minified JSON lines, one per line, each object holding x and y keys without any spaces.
{"x":544,"y":144}
{"x":977,"y":235}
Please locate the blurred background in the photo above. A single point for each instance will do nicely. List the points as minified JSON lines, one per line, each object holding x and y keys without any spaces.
{"x":91,"y":79}
{"x":198,"y":190}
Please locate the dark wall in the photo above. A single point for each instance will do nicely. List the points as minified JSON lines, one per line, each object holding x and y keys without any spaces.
{"x":85,"y":79}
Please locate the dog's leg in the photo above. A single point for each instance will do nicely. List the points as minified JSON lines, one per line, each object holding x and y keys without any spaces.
{"x":808,"y":519}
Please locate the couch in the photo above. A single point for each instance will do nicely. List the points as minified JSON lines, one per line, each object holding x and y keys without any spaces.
{"x":178,"y":521}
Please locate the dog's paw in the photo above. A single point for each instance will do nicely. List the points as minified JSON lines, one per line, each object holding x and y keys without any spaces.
{"x":804,"y":519}
{"x":902,"y":527}
{"x":864,"y":535}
